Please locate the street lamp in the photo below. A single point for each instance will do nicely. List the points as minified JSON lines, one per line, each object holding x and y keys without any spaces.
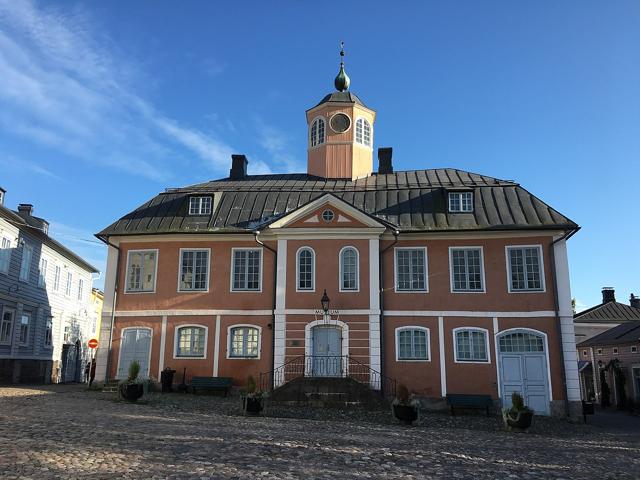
{"x":325,"y":302}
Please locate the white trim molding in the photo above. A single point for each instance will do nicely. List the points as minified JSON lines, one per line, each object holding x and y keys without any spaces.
{"x":397,"y":343}
{"x":125,"y":288}
{"x":326,"y":322}
{"x":482,"y":269}
{"x":232,"y":272}
{"x":176,"y":340}
{"x":443,"y":358}
{"x":313,"y":270}
{"x":191,"y":290}
{"x":341,"y":270}
{"x":395,"y":270}
{"x":120,"y":346}
{"x":543,"y":283}
{"x":244,"y":325}
{"x":455,"y":332}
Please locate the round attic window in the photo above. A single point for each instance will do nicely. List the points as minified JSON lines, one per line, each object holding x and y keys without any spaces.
{"x":340,"y":123}
{"x":328,"y":215}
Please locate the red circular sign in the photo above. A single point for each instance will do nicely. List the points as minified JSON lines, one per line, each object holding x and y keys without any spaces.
{"x":93,"y":343}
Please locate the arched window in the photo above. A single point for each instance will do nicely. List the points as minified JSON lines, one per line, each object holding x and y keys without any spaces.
{"x":317,"y":132}
{"x":412,"y":343}
{"x":306,"y":269}
{"x":349,"y":275}
{"x":191,"y":341}
{"x":363,"y":132}
{"x":471,"y":345}
{"x":244,"y":341}
{"x":521,"y":342}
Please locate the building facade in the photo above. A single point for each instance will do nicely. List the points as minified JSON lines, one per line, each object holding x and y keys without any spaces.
{"x":44,"y":302}
{"x":606,"y":315}
{"x":444,"y":280}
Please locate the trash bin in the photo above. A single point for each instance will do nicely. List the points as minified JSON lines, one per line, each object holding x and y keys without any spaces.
{"x":166,"y":378}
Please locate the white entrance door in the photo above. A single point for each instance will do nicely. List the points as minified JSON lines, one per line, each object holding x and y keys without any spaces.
{"x":523,"y":369}
{"x":135,"y":345}
{"x":327,"y":352}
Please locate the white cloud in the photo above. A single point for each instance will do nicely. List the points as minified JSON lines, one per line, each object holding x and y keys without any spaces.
{"x":276,"y":142}
{"x":19,"y":165}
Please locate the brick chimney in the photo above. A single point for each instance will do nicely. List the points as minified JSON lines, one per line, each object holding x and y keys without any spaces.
{"x":634,"y":301}
{"x":25,"y":210}
{"x":2,"y":194}
{"x":385,"y":165}
{"x":238,"y":167}
{"x":608,"y":294}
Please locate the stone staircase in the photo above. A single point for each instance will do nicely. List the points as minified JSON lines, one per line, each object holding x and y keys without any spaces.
{"x":327,"y":392}
{"x":110,"y":387}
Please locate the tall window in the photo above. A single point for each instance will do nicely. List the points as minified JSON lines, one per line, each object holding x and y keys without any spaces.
{"x":6,"y":326}
{"x":306,"y":264}
{"x":194,"y":270}
{"x":363,"y":132}
{"x":5,"y":254}
{"x":80,"y":289}
{"x":317,"y":132}
{"x":525,"y":269}
{"x":471,"y":345}
{"x":25,"y":265}
{"x":411,"y":268}
{"x":412,"y":343}
{"x":243,"y":342}
{"x":67,"y":290}
{"x":349,"y":269}
{"x":56,"y":278}
{"x":461,"y":201}
{"x":141,"y":271}
{"x":199,"y":205}
{"x":246,"y":269}
{"x":48,"y":332}
{"x":466,"y":270}
{"x":42,"y":277}
{"x":25,"y":323}
{"x":191,"y":341}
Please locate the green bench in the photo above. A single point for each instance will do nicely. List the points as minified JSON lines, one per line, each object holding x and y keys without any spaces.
{"x":469,"y":401}
{"x":211,"y":383}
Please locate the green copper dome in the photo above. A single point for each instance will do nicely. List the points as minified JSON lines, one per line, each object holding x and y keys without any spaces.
{"x":342,"y":81}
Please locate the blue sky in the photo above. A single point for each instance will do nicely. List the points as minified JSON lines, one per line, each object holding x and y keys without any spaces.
{"x":104,"y":104}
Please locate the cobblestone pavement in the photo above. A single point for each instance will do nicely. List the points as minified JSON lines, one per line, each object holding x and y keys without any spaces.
{"x":68,"y":432}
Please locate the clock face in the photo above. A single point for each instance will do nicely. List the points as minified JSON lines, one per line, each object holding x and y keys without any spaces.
{"x":340,"y":123}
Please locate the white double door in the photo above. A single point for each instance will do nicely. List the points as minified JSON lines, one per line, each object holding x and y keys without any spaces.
{"x":527,"y":374}
{"x":327,"y":360}
{"x":135,"y":345}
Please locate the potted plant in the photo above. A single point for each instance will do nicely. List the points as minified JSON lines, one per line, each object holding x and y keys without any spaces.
{"x":517,"y":418}
{"x":403,"y":409}
{"x":252,"y":400}
{"x":132,"y":388}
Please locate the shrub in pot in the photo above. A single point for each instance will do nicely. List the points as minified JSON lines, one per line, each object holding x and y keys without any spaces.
{"x":132,"y":388}
{"x":404,"y":410}
{"x":252,"y":399}
{"x":517,"y":418}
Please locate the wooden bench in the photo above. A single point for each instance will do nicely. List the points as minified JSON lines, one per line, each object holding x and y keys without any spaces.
{"x":211,"y":383}
{"x":469,"y":401}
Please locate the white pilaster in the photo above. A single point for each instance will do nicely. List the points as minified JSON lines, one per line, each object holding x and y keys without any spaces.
{"x":565,"y":313}
{"x":216,"y":347}
{"x":163,"y":342}
{"x":280,"y":327}
{"x":105,"y":326}
{"x":374,"y":304}
{"x":443,"y":367}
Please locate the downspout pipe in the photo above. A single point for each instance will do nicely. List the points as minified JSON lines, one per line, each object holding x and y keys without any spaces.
{"x":556,"y":300}
{"x":113,"y":307}
{"x":256,"y":233}
{"x":396,"y":234}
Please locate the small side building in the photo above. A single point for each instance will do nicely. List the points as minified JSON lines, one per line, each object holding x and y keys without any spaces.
{"x":604,"y":316}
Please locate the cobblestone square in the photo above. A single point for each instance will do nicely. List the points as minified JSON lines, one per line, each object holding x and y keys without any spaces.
{"x":69,"y":432}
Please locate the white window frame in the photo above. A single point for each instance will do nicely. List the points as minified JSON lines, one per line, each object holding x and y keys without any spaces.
{"x":634,"y":349}
{"x":311,"y":137}
{"x":456,"y":358}
{"x":80,"y":289}
{"x":5,"y":254}
{"x":599,"y":351}
{"x":615,"y":350}
{"x":68,"y":287}
{"x":349,"y":290}
{"x":155,"y":271}
{"x":543,"y":284}
{"x":413,"y":327}
{"x":230,"y":338}
{"x":176,"y":341}
{"x":233,"y":256}
{"x":193,"y":290}
{"x":29,"y":317}
{"x":57,"y":270}
{"x":361,"y":121}
{"x":11,"y":325}
{"x":196,"y":205}
{"x":24,"y":276}
{"x":482,"y":273}
{"x":313,"y":270}
{"x":42,"y":272}
{"x":460,"y":195}
{"x":48,"y":327}
{"x":426,"y":270}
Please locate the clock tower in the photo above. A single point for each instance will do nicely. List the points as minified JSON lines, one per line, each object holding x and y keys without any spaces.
{"x":340,"y":134}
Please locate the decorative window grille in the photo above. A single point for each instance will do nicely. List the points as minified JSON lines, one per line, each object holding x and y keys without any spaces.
{"x":522,"y":342}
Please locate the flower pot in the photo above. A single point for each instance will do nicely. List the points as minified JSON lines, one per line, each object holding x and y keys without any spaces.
{"x":131,"y":392}
{"x":407,"y":414}
{"x":519,"y":422}
{"x":252,"y":405}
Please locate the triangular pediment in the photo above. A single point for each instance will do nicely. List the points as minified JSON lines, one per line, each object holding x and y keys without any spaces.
{"x":327,"y":211}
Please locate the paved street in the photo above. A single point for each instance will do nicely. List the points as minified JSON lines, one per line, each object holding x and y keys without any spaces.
{"x":67,"y":432}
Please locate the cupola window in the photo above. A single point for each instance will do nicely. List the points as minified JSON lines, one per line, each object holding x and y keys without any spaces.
{"x":363,"y":132}
{"x":317,"y":132}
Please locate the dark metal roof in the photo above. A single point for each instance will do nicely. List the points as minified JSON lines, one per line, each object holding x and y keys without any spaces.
{"x":610,"y":312}
{"x":628,"y":332}
{"x":342,"y":97}
{"x":409,"y":200}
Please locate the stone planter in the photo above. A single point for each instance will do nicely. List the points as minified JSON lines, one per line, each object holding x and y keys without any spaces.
{"x":252,"y":405}
{"x":518,"y":423}
{"x":407,"y":414}
{"x":131,"y":392}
